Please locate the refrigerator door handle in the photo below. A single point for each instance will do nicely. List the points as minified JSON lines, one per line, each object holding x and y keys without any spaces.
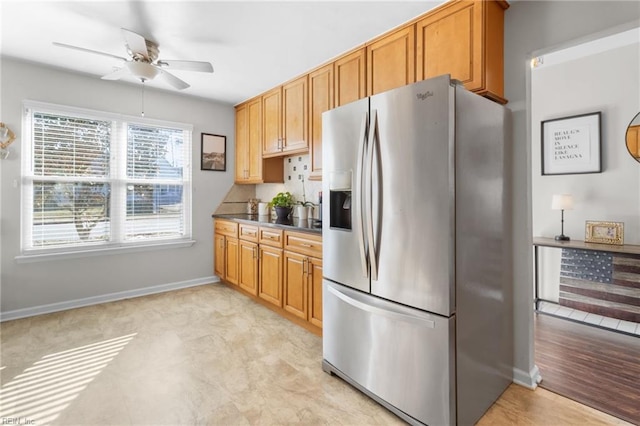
{"x":373,"y":138}
{"x":362,"y":303}
{"x":364,"y":263}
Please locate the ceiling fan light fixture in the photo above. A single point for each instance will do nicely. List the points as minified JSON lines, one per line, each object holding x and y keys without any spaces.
{"x":142,"y":70}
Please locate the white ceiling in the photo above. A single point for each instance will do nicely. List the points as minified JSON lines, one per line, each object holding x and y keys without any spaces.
{"x":253,"y":46}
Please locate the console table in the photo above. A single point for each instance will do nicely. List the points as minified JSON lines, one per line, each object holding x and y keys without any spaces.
{"x":598,"y":278}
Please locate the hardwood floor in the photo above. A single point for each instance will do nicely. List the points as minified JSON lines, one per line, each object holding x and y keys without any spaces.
{"x":523,"y":407}
{"x":596,"y":367}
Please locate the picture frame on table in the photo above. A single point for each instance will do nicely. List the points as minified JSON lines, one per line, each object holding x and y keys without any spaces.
{"x":604,"y":232}
{"x":571,"y":145}
{"x":213,"y":152}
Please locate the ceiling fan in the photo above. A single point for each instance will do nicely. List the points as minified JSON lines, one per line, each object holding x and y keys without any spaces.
{"x":143,"y":62}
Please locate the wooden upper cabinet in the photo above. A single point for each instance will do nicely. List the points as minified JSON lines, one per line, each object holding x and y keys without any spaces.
{"x":250,"y":166}
{"x":295,"y":116}
{"x":320,"y":100}
{"x":350,"y":77}
{"x":272,"y":121}
{"x":391,"y":61}
{"x":465,"y":39}
{"x":242,"y":143}
{"x":285,"y":119}
{"x":254,"y":162}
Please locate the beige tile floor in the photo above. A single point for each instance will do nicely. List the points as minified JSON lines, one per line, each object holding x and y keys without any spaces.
{"x":206,"y":355}
{"x":201,"y":356}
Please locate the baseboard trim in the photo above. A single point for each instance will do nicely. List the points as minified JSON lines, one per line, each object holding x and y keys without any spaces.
{"x":111,"y":297}
{"x":529,"y":380}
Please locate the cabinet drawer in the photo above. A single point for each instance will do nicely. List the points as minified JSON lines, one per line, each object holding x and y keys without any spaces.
{"x":308,"y":244}
{"x":225,"y":227}
{"x":248,"y":232}
{"x":270,"y":236}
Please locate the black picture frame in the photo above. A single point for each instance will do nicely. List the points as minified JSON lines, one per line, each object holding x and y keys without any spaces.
{"x":213,"y":152}
{"x":571,"y":145}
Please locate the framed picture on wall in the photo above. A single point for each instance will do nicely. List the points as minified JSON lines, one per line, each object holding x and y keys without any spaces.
{"x":214,"y":152}
{"x":571,"y":145}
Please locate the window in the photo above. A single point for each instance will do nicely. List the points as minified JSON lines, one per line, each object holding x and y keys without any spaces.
{"x":93,"y":179}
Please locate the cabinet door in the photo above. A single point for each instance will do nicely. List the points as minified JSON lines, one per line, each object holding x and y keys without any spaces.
{"x":320,"y":100}
{"x":271,"y":116}
{"x":270,"y":280}
{"x":242,"y":144}
{"x":314,"y":274}
{"x":295,"y":284}
{"x":218,"y":255}
{"x":295,"y":115}
{"x":391,"y":61}
{"x":248,"y":268}
{"x":254,"y":141}
{"x":450,"y":42}
{"x":464,"y":39}
{"x":350,"y":77}
{"x":231,"y":260}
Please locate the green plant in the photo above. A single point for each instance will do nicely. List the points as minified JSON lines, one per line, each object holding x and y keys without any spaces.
{"x":282,"y":199}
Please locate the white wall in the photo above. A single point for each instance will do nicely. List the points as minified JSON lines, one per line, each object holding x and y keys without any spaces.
{"x":531,"y":26}
{"x":32,"y":285}
{"x":607,"y":82}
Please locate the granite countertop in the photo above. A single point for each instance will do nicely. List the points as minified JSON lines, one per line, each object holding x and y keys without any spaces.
{"x":311,"y":225}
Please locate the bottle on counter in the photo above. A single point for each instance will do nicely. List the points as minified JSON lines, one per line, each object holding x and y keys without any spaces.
{"x":252,"y":206}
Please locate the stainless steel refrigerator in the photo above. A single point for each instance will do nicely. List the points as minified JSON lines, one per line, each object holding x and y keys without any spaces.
{"x":417,"y":309}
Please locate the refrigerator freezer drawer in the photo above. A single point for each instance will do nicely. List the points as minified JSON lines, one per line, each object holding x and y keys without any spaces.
{"x":400,"y":355}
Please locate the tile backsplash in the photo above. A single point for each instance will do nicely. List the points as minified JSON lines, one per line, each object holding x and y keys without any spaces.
{"x":296,"y":174}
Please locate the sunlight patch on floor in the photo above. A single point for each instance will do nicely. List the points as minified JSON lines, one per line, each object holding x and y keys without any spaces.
{"x":40,"y":393}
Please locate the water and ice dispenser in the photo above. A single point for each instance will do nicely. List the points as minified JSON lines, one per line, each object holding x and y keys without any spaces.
{"x":340,"y":206}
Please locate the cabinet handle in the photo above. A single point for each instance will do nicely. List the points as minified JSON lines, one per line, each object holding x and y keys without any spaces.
{"x":304,"y":266}
{"x":306,"y":245}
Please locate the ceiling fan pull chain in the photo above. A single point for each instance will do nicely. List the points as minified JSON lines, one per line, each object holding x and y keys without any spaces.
{"x":142,"y":97}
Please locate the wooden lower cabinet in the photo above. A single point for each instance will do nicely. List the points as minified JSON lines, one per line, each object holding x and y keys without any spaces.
{"x":280,"y":269}
{"x":303,"y":287}
{"x":225,"y":263}
{"x":231,"y":260}
{"x":248,"y":268}
{"x":295,"y":284}
{"x":270,"y":279}
{"x":218,"y":257}
{"x":303,"y":276}
{"x":314,"y":277}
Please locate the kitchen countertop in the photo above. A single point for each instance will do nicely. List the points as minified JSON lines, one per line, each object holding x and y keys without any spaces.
{"x":313,"y":226}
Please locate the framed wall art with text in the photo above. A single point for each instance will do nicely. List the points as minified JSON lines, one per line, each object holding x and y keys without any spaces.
{"x":571,"y":145}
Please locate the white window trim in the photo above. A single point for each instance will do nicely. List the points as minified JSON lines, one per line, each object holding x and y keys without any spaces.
{"x":99,"y":249}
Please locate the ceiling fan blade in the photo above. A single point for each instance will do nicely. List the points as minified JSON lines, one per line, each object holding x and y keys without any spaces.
{"x":82,"y":49}
{"x":186,"y":65}
{"x":117,"y":74}
{"x":173,"y":80}
{"x":136,"y":43}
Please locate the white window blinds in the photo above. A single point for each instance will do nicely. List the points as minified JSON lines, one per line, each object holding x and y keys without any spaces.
{"x":96,"y":179}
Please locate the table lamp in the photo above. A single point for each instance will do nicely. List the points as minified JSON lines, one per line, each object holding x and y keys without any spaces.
{"x":562,"y":202}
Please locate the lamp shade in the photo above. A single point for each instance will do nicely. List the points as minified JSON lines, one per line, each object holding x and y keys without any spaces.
{"x":562,"y":202}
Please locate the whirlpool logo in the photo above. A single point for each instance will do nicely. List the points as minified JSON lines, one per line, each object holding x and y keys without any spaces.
{"x":425,"y":95}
